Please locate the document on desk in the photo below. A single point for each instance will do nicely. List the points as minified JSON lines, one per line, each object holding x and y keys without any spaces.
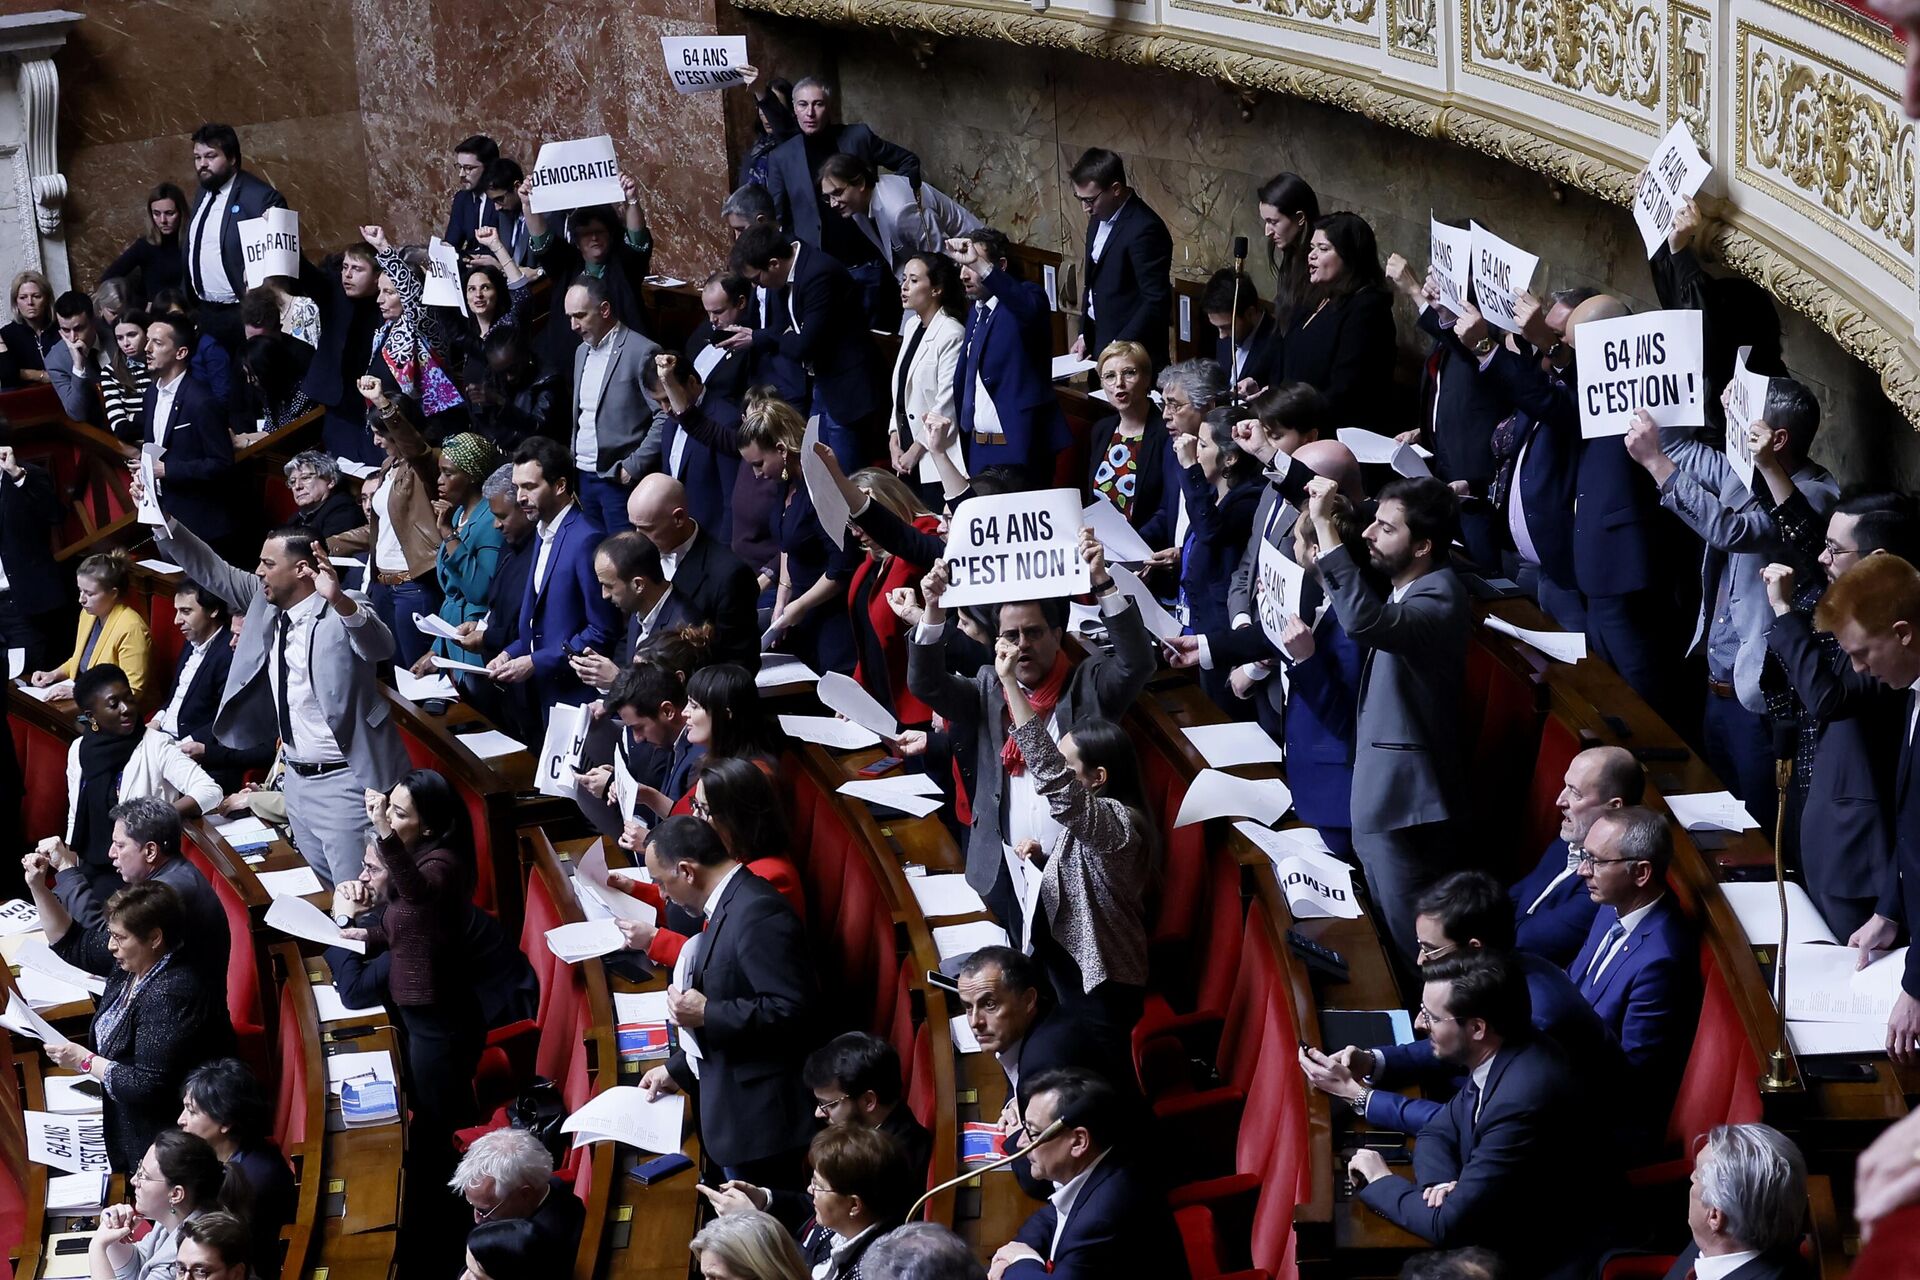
{"x":18,"y":916}
{"x":1712,"y":811}
{"x":301,"y":919}
{"x":957,"y":941}
{"x":1318,"y":886}
{"x":295,"y":882}
{"x":1756,"y":905}
{"x":1828,"y":1039}
{"x":1824,"y":986}
{"x":35,"y":954}
{"x":1224,"y":746}
{"x":331,"y":1008}
{"x":903,"y":792}
{"x":844,"y":694}
{"x":491,"y":744}
{"x":778,"y":669}
{"x":945,"y":895}
{"x":829,"y":731}
{"x":623,"y":1114}
{"x":74,"y":1095}
{"x":585,"y":940}
{"x":20,"y":1016}
{"x":1561,"y":646}
{"x":76,"y":1193}
{"x":72,"y":1144}
{"x":40,"y":695}
{"x":1213,"y":794}
{"x":43,"y":991}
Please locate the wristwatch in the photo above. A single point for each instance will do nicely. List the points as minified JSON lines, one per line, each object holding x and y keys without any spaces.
{"x":1483,"y":348}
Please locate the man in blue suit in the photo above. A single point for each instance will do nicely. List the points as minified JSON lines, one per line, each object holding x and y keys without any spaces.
{"x":1501,"y":1163}
{"x":199,"y":680}
{"x":1552,"y":911}
{"x":1640,"y":967}
{"x":563,"y":611}
{"x":1465,"y":912}
{"x":1108,"y":1215}
{"x":182,"y":415}
{"x":1008,"y":416}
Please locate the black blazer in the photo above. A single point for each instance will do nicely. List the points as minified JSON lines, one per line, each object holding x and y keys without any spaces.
{"x":625,"y":277}
{"x":173,"y":1025}
{"x":1121,"y":1225}
{"x":1156,"y":502}
{"x":1132,"y":283}
{"x":471,"y":210}
{"x":161,"y":266}
{"x":762,"y":1019}
{"x":795,"y":190}
{"x":250,"y":198}
{"x":831,"y":338}
{"x":503,"y":982}
{"x":202,"y":698}
{"x":1781,"y":1264}
{"x":30,"y":511}
{"x":1266,"y":354}
{"x":1460,"y":406}
{"x":718,"y":587}
{"x":198,"y":460}
{"x":338,"y":512}
{"x":1346,"y":352}
{"x":1057,"y":1039}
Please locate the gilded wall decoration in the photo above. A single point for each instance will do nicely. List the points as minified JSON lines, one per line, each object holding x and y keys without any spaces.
{"x":1572,"y":50}
{"x":1690,"y":72}
{"x":1810,"y":134}
{"x":1416,"y":30}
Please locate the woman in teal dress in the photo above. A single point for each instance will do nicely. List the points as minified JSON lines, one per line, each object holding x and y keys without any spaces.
{"x":470,"y":545}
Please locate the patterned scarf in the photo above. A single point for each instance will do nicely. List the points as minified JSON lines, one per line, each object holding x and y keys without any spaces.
{"x":1043,"y":697}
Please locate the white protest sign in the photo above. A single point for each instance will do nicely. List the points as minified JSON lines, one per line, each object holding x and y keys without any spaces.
{"x":698,"y":64}
{"x":1015,"y":546}
{"x":567,"y":728}
{"x":1276,"y":593}
{"x":72,"y":1143}
{"x":1650,"y":361}
{"x":442,"y":285}
{"x":1674,"y":174}
{"x":270,"y":245}
{"x":1318,"y":885}
{"x":148,"y":507}
{"x":574,"y":174}
{"x":1745,"y":402}
{"x":1501,"y":273}
{"x":1450,"y":258}
{"x":829,"y":504}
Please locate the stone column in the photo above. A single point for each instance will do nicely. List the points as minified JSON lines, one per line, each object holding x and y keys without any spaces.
{"x":32,"y":231}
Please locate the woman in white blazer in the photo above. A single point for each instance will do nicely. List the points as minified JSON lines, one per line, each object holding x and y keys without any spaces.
{"x":923,"y":375}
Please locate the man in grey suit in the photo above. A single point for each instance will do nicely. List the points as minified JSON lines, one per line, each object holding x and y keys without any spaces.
{"x":1006,"y":808}
{"x":304,"y":672}
{"x":1408,"y":772}
{"x":611,"y":408}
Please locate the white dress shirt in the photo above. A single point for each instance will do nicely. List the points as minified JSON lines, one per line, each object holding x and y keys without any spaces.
{"x":1628,"y":923}
{"x":670,"y":560}
{"x":163,"y":397}
{"x":548,"y":530}
{"x":593,"y":384}
{"x":196,"y":654}
{"x":1573,"y":861}
{"x":388,"y":555}
{"x":1721,"y":1265}
{"x":1064,"y":1197}
{"x":1101,"y":233}
{"x":313,"y":740}
{"x":212,"y":268}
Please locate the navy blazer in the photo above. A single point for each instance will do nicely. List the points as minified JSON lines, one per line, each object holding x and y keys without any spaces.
{"x":567,"y":611}
{"x":1511,"y":1169}
{"x":830,"y":337}
{"x":471,"y":210}
{"x":1906,"y":847}
{"x":202,"y":699}
{"x":796,"y":190}
{"x":1266,"y":360}
{"x":30,"y":510}
{"x":1558,"y":926}
{"x":1132,"y":283}
{"x":1009,"y":350}
{"x":1780,"y":1264}
{"x":251,"y":197}
{"x":1217,"y":532}
{"x":198,"y":459}
{"x":1119,"y":1225}
{"x":1544,"y":485}
{"x":1460,"y":406}
{"x":718,"y":587}
{"x":710,"y":466}
{"x":1649,"y":996}
{"x":1156,"y":501}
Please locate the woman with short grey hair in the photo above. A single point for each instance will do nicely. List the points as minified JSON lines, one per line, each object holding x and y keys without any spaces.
{"x":324,"y":506}
{"x":1189,"y":391}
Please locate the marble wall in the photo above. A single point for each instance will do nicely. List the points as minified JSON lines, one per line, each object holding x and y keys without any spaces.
{"x":998,"y":126}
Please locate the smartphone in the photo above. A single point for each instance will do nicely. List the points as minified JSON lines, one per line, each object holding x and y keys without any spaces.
{"x":1835,"y":1071}
{"x":880,"y":766}
{"x":935,"y":978}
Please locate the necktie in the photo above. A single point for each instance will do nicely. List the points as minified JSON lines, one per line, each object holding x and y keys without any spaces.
{"x":1615,"y":932}
{"x":280,"y":666}
{"x":1473,"y":1101}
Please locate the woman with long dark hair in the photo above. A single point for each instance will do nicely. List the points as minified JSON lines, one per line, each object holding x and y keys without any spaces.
{"x":1342,"y":339}
{"x":274,"y":371}
{"x":1288,"y":210}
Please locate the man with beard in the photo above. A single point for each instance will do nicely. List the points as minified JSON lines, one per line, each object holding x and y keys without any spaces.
{"x":1408,"y":779}
{"x":472,"y":207}
{"x":228,"y":196}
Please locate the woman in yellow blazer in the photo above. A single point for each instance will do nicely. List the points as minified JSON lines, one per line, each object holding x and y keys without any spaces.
{"x":110,"y":629}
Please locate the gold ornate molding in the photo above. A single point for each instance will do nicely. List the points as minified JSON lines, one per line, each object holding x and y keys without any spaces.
{"x":1598,"y":55}
{"x":1873,"y":331}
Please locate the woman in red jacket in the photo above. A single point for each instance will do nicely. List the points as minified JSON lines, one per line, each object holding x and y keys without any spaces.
{"x":738,"y":800}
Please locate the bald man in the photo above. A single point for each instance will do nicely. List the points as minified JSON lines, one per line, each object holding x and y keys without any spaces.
{"x":1615,"y":502}
{"x":1552,"y":909}
{"x":712,"y":583}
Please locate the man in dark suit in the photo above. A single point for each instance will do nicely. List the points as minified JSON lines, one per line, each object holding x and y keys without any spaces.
{"x":794,"y":166}
{"x":1551,"y":909}
{"x":1108,"y":1215}
{"x":746,"y":995}
{"x":615,"y":247}
{"x":200,"y":677}
{"x":695,"y":439}
{"x":1409,"y":764}
{"x":1008,"y":415}
{"x":1006,"y":808}
{"x":1640,"y":965}
{"x":715,"y":585}
{"x":1250,"y":344}
{"x":183,"y":416}
{"x":1494,"y":1166}
{"x":1745,"y":1204}
{"x":731,"y":300}
{"x":36,"y":599}
{"x":349,"y":320}
{"x":627,"y":568}
{"x":229,"y":195}
{"x":1873,"y":611}
{"x":856,"y":1079}
{"x":828,"y":334}
{"x":1129,"y":262}
{"x":472,"y":209}
{"x":562,"y":612}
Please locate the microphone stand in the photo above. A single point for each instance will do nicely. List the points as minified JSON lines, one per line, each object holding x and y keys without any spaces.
{"x":1233,"y":321}
{"x":1046,"y":1135}
{"x":1778,"y":1076}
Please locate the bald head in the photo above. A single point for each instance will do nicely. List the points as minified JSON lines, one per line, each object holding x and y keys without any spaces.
{"x":1336,"y":462}
{"x":1602,"y":306}
{"x":658,"y":509}
{"x":1599,"y":780}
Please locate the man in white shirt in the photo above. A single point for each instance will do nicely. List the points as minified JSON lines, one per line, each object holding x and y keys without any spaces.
{"x":1552,"y":909}
{"x":612,"y":409}
{"x":1745,"y":1203}
{"x":228,"y":196}
{"x":202,"y":619}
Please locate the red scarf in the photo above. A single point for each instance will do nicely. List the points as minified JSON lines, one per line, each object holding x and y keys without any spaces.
{"x":1042,"y":697}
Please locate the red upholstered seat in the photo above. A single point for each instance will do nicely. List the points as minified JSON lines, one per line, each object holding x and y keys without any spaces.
{"x":1892,"y":1252}
{"x":243,"y":966}
{"x":1175,"y":899}
{"x":1642,"y":1266}
{"x":560,"y":1002}
{"x":1721,"y":1084}
{"x":486,"y":895}
{"x":1216,"y":942}
{"x":290,"y":1095}
{"x":43,"y":770}
{"x":1558,"y":747}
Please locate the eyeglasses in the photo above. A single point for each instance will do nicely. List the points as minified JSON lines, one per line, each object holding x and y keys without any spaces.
{"x":1431,"y":1018}
{"x":199,"y":1271}
{"x":1087,"y":202}
{"x":1587,"y":859}
{"x":815,"y":1188}
{"x":1016,"y":635}
{"x":141,"y":1175}
{"x":481,"y":1215}
{"x":1433,"y":951}
{"x":824,"y":1109}
{"x":1834,"y":550}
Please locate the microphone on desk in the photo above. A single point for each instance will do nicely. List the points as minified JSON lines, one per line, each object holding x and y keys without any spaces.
{"x":1786,"y":736}
{"x":1047,"y":1134}
{"x":1233,"y":321}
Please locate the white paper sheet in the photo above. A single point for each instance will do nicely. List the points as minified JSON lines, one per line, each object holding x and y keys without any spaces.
{"x":148,"y":507}
{"x":844,"y":694}
{"x":1561,"y":646}
{"x":35,"y":954}
{"x":358,"y":470}
{"x":1025,"y":879}
{"x":778,"y":669}
{"x":1825,"y":1039}
{"x":619,"y":905}
{"x":566,"y":736}
{"x":17,"y":915}
{"x":1372,"y":447}
{"x":1756,"y":905}
{"x":962,"y":1032}
{"x":65,"y":1096}
{"x":1122,"y":541}
{"x":828,"y":502}
{"x":623,"y":1114}
{"x":1824,"y":986}
{"x":160,"y":566}
{"x":491,"y":744}
{"x":945,"y":895}
{"x":1711,"y":811}
{"x":955,"y":940}
{"x":1224,"y":746}
{"x":455,"y":664}
{"x":420,"y":688}
{"x":245,"y":831}
{"x":72,"y":1144}
{"x":43,"y":695}
{"x":1284,"y":843}
{"x":1159,"y":622}
{"x":76,"y":1193}
{"x":891,"y":792}
{"x":44,"y":991}
{"x":1318,"y":886}
{"x":829,"y":731}
{"x":1068,"y":366}
{"x":16,"y":663}
{"x":1213,"y":794}
{"x":434,"y":625}
{"x":296,"y":882}
{"x":301,"y":919}
{"x":576,"y":942}
{"x":21,"y":1017}
{"x":331,"y":1008}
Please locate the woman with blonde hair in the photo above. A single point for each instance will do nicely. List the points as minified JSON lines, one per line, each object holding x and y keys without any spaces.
{"x":1130,"y":455}
{"x":807,"y":618}
{"x":750,"y":1245}
{"x":111,"y":631}
{"x":26,"y":339}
